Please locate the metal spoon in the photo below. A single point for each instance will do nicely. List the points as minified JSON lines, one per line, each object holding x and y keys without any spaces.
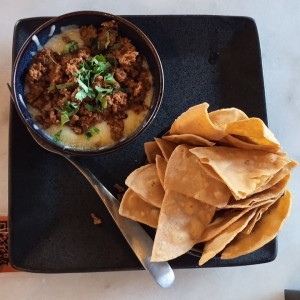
{"x":137,"y":238}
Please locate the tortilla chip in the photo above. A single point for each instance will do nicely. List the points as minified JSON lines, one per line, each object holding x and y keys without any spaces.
{"x":217,"y":244}
{"x":258,"y":214}
{"x":145,"y":182}
{"x":161,"y":166}
{"x":211,"y":172}
{"x":272,"y":193}
{"x":134,"y":207}
{"x":253,"y":130}
{"x":189,"y":139}
{"x":238,"y":143}
{"x":217,"y":178}
{"x":221,"y":223}
{"x":280,"y":175}
{"x":243,"y":170}
{"x":196,"y":121}
{"x":180,"y":225}
{"x":222,"y":117}
{"x":185,"y":175}
{"x":165,"y":147}
{"x":264,"y":231}
{"x":151,"y":150}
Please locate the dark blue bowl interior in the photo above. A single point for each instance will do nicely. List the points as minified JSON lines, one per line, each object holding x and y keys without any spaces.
{"x":43,"y":34}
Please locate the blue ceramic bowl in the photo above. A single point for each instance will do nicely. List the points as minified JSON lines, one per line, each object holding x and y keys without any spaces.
{"x":81,"y":18}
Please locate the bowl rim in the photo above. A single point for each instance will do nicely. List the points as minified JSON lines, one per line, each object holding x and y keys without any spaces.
{"x":32,"y":125}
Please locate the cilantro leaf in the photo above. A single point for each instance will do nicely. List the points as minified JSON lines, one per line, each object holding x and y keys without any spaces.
{"x":71,"y":108}
{"x":109,"y":78}
{"x":57,"y":136}
{"x":80,"y":95}
{"x":64,"y":118}
{"x":89,"y":107}
{"x":98,"y":58}
{"x":111,"y":59}
{"x":87,"y":72}
{"x":115,"y":46}
{"x":103,"y":90}
{"x":103,"y":101}
{"x":71,"y":47}
{"x":91,"y":132}
{"x":83,"y":85}
{"x":107,"y":35}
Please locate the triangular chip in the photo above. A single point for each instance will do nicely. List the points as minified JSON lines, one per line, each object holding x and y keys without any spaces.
{"x":161,"y":166}
{"x":145,"y":182}
{"x":238,"y":143}
{"x":185,"y":175}
{"x":243,"y":170}
{"x":253,"y":130}
{"x":279,"y":176}
{"x":134,"y":207}
{"x":258,"y":214}
{"x":211,"y":172}
{"x":217,"y":244}
{"x":165,"y":147}
{"x":222,"y":117}
{"x":196,"y":121}
{"x":188,"y":139}
{"x":220,"y":223}
{"x":151,"y":150}
{"x":181,"y":222}
{"x":264,"y":231}
{"x":272,"y":193}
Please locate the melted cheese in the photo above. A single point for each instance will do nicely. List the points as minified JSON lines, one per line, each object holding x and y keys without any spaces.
{"x":57,"y":44}
{"x":70,"y":138}
{"x":103,"y":138}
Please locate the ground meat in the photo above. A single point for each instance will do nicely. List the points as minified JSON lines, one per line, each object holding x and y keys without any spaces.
{"x":55,"y":88}
{"x":88,"y":33}
{"x":117,"y":128}
{"x":127,"y":53}
{"x":36,"y":71}
{"x":108,"y":34}
{"x":117,"y":101}
{"x":120,"y":74}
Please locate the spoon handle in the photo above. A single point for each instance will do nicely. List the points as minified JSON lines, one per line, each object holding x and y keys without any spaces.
{"x":136,"y":236}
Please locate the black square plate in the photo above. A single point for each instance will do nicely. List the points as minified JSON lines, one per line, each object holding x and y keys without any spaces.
{"x":205,"y":58}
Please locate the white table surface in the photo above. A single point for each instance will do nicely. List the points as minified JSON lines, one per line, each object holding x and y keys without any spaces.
{"x":278,"y":24}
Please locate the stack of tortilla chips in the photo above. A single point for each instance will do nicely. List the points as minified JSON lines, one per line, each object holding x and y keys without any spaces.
{"x":216,"y":178}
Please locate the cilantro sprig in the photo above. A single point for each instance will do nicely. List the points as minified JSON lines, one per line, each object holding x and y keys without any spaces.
{"x":57,"y":136}
{"x":91,"y":132}
{"x":71,"y":47}
{"x":70,"y":109}
{"x":95,"y":96}
{"x":87,"y":72}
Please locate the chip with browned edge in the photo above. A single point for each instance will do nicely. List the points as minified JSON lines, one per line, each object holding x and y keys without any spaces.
{"x":181,"y":222}
{"x":185,"y":175}
{"x":145,"y":182}
{"x":243,"y":170}
{"x":264,"y":231}
{"x":135,"y":208}
{"x":217,"y":178}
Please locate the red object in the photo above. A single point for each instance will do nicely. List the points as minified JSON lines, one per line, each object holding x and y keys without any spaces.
{"x":4,"y":258}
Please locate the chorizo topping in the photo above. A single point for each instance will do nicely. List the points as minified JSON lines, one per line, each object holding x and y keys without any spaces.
{"x":96,"y":79}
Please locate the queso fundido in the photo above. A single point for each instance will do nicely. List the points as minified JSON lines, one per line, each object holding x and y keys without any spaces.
{"x":89,"y":87}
